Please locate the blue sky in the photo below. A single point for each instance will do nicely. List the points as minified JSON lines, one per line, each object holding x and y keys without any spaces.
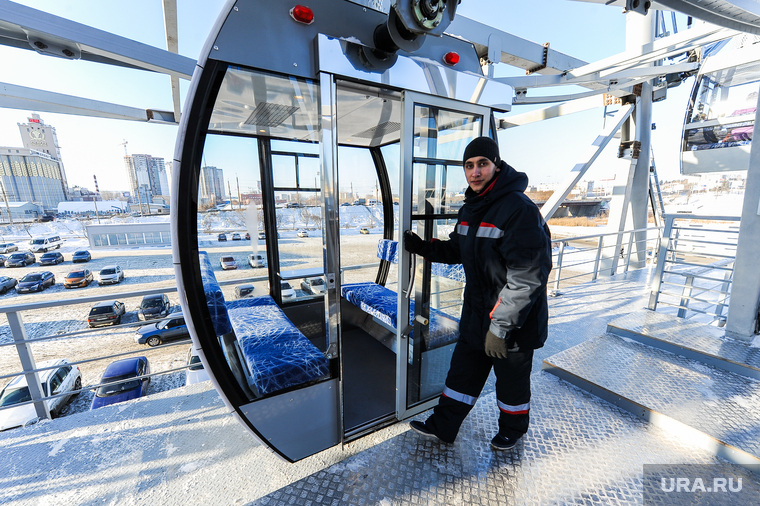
{"x":546,"y":151}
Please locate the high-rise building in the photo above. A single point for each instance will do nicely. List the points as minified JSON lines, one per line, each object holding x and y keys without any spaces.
{"x":211,"y":186}
{"x":32,"y":176}
{"x":39,"y":136}
{"x":147,"y":177}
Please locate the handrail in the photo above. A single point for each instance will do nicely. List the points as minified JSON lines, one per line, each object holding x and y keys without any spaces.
{"x":692,"y":276}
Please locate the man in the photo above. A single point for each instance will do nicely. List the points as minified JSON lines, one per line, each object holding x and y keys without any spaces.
{"x":504,"y":245}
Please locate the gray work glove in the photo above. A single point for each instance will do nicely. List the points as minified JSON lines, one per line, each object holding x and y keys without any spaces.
{"x":496,"y":347}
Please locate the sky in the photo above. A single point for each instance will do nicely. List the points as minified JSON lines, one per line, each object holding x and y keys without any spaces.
{"x":91,"y":146}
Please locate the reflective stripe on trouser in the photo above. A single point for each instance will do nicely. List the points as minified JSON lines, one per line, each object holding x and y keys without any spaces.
{"x":467,"y":375}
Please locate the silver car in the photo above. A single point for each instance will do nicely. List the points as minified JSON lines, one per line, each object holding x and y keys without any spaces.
{"x":8,"y":247}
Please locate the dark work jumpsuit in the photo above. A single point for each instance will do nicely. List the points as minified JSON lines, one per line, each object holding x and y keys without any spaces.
{"x":504,"y":246}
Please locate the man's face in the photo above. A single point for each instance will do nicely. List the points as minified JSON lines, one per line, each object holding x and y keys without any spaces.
{"x":479,"y":171}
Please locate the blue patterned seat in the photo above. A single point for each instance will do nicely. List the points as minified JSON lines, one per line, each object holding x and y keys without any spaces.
{"x":276,"y":355}
{"x":214,"y":298}
{"x":381,"y":303}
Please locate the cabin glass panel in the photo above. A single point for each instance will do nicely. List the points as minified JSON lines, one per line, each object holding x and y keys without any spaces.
{"x":264,"y":131}
{"x":438,"y":184}
{"x":724,"y":112}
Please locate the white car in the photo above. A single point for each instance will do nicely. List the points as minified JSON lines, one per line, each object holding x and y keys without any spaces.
{"x":256,"y":260}
{"x":302,"y":233}
{"x":60,"y":379}
{"x":110,"y":274}
{"x":195,"y":372}
{"x":228,"y":263}
{"x":287,"y":291}
{"x":315,"y":286}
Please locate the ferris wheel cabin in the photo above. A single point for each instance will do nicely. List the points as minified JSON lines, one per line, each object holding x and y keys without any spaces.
{"x":352,"y":121}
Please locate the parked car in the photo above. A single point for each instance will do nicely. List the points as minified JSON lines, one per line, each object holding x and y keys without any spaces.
{"x":81,"y":256}
{"x":7,"y":283}
{"x":244,"y":290}
{"x":236,"y":237}
{"x":61,"y":378}
{"x":256,"y":260}
{"x":195,"y":372}
{"x":20,"y":259}
{"x":8,"y":247}
{"x":221,"y":237}
{"x":155,"y":306}
{"x":45,"y":243}
{"x":314,"y":286}
{"x":78,"y":279}
{"x":105,"y":313}
{"x":262,"y":236}
{"x":228,"y":263}
{"x":172,"y":327}
{"x":287,"y":291}
{"x":302,"y":233}
{"x":121,"y":382}
{"x":3,"y":258}
{"x":35,"y":282}
{"x":364,"y":230}
{"x":110,"y":275}
{"x":51,"y":258}
{"x":247,"y":236}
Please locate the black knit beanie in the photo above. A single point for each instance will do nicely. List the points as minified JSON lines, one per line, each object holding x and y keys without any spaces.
{"x":482,"y":146}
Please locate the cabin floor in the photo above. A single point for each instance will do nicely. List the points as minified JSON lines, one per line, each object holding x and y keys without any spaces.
{"x":183,"y":447}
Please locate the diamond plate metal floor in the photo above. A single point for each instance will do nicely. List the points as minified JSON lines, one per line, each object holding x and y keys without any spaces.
{"x":688,"y":338}
{"x":718,"y":403}
{"x":183,"y":447}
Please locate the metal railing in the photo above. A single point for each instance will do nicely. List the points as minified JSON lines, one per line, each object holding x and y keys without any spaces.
{"x":695,"y":265}
{"x":584,"y":258}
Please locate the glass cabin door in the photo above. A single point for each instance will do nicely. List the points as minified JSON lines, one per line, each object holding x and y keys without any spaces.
{"x":434,"y":134}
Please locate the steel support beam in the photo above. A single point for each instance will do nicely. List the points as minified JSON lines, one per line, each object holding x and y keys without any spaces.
{"x":21,"y":97}
{"x":172,"y":45}
{"x":577,"y":172}
{"x":745,"y":290}
{"x":22,"y":26}
{"x":497,"y":46}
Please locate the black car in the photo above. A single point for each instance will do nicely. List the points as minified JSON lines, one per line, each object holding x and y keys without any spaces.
{"x":155,"y":306}
{"x":221,"y":237}
{"x":51,"y":258}
{"x":81,"y":256}
{"x":20,"y":259}
{"x":108,"y":312}
{"x":35,"y":282}
{"x":172,"y":327}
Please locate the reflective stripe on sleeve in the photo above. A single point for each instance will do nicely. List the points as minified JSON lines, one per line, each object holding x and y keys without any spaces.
{"x":489,"y":230}
{"x":464,"y":398}
{"x":520,"y":409}
{"x":463,"y":228}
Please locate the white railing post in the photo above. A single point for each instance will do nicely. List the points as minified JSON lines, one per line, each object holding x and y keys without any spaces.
{"x":659,"y":269}
{"x":558,"y":270}
{"x":598,"y":258}
{"x":27,"y":364}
